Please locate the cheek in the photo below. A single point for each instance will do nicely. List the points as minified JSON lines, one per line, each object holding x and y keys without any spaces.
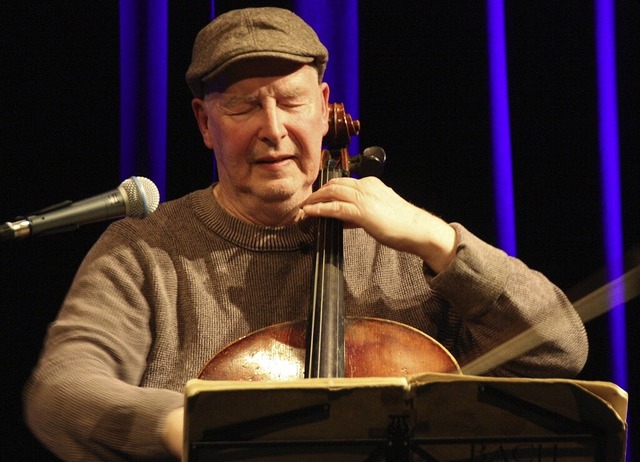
{"x":313,"y":133}
{"x":224,"y":140}
{"x":314,"y":128}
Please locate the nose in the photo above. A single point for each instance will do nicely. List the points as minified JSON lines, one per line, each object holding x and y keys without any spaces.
{"x":272,"y":128}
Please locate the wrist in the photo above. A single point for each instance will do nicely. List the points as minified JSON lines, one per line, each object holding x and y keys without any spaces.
{"x":439,"y":250}
{"x":173,"y":432}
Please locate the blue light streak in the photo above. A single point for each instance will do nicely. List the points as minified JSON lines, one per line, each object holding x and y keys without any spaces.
{"x":143,"y":89}
{"x":336,"y":23}
{"x":500,"y":127}
{"x":156,"y":87}
{"x":610,"y":172}
{"x":610,"y":177}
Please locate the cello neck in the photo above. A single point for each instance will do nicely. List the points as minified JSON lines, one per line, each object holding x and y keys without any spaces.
{"x":325,"y":333}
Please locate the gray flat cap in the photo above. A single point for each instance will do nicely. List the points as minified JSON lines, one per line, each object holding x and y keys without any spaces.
{"x":252,"y":33}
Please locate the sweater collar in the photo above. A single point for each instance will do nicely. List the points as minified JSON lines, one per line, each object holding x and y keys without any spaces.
{"x":247,"y":235}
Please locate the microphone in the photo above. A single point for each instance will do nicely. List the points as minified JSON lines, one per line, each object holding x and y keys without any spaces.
{"x":136,"y":197}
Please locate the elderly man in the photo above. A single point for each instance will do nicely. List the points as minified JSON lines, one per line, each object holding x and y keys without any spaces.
{"x":154,"y":299}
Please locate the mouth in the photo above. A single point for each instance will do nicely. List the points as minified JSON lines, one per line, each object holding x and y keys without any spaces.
{"x":274,"y":160}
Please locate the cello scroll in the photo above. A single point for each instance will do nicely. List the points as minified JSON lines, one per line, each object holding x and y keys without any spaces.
{"x":341,"y":127}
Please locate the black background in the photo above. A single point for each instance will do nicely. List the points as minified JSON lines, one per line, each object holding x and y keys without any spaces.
{"x":424,"y":98}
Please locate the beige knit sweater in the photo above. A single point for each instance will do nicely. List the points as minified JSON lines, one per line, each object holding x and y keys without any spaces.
{"x":156,"y":298}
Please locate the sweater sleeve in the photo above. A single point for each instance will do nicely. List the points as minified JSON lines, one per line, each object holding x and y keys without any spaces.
{"x":494,"y":298}
{"x":83,"y":400}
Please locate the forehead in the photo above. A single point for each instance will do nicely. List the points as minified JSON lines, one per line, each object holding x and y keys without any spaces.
{"x":259,"y":68}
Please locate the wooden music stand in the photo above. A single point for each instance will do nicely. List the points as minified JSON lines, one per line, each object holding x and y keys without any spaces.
{"x":430,"y":417}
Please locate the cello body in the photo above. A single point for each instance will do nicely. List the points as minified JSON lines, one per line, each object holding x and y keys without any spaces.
{"x":373,"y":348}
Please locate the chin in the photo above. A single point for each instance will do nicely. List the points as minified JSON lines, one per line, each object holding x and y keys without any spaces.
{"x":282,"y":192}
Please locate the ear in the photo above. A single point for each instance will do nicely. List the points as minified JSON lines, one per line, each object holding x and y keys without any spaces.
{"x":202,"y":118}
{"x":324,"y":88}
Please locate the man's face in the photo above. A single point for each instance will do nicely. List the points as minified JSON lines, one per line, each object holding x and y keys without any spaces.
{"x":266,"y":133}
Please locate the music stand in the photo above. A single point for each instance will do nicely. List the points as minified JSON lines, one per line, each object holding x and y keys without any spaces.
{"x":430,"y":417}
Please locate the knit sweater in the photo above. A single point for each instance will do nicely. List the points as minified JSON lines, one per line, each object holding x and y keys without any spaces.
{"x":154,"y":299}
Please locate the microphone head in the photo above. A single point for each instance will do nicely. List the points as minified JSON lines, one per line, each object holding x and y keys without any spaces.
{"x":141,"y":196}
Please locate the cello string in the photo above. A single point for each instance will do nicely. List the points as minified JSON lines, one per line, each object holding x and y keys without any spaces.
{"x":315,"y":336}
{"x":588,"y":307}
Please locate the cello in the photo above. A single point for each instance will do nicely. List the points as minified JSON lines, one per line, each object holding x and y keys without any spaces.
{"x":328,"y":344}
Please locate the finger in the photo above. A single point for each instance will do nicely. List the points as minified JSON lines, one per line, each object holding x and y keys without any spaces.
{"x":344,"y":211}
{"x":335,"y":190}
